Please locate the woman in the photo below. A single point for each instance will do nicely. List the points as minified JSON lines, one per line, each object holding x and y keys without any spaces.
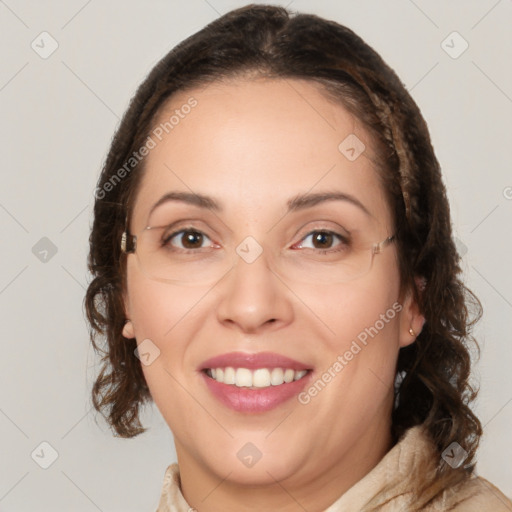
{"x":274,"y":267}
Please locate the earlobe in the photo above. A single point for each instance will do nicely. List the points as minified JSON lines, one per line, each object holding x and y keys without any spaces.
{"x":411,"y":318}
{"x":128,"y":331}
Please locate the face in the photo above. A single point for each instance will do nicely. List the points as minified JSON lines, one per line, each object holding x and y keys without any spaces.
{"x":267,"y":302}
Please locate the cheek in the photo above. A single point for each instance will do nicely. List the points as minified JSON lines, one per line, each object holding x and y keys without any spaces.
{"x":164,"y":324}
{"x":360,"y":322}
{"x":360,"y":310}
{"x":164,"y":319}
{"x":156,"y":308}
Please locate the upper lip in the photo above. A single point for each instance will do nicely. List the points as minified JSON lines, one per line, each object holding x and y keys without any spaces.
{"x":253,"y":361}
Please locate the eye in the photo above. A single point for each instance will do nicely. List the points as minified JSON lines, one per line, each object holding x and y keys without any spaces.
{"x":187,"y":239}
{"x":323,"y":240}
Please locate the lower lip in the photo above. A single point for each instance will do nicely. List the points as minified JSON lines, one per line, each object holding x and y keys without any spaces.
{"x":255,"y":400}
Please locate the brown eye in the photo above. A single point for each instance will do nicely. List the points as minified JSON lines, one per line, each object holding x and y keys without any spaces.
{"x":186,"y":239}
{"x":191,"y":239}
{"x":323,"y":240}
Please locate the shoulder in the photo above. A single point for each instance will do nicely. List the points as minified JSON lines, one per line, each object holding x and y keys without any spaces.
{"x":475,"y":494}
{"x":416,"y":472}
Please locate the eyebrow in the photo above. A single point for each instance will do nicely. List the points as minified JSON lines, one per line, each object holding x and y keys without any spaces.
{"x":299,"y":202}
{"x":199,"y":200}
{"x":303,"y":201}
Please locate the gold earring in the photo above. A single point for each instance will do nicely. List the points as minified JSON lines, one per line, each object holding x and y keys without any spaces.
{"x":411,"y":332}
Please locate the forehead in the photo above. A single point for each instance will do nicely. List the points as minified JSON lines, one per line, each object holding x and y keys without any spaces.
{"x":258,"y":142}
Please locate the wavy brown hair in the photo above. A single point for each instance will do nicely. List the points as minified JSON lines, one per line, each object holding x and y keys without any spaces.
{"x":271,"y":42}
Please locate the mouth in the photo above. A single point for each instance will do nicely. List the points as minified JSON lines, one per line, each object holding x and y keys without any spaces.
{"x":254,"y":383}
{"x":255,"y":379}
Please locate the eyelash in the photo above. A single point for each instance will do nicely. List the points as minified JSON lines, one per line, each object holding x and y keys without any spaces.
{"x":344,"y":240}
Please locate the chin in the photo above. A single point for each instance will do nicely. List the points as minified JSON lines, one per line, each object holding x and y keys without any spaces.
{"x":248,"y":465}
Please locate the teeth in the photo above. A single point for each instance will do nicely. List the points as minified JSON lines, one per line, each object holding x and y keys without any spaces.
{"x":289,"y":375}
{"x":276,"y":377}
{"x":259,"y":378}
{"x":229,"y":376}
{"x":243,"y":377}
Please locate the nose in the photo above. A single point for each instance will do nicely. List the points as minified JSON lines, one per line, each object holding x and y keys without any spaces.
{"x":253,"y":298}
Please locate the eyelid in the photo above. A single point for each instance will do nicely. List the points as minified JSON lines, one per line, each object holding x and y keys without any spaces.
{"x":175,"y":232}
{"x":184,"y":225}
{"x":342,"y":239}
{"x":185,"y":213}
{"x":322,"y":225}
{"x":182,"y":222}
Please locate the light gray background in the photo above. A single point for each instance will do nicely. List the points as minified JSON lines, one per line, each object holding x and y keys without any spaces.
{"x":57,"y":118}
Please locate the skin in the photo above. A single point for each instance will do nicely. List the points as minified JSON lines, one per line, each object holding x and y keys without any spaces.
{"x":248,"y":144}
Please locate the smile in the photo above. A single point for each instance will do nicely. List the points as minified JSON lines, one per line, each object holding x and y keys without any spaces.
{"x":254,"y":382}
{"x":255,"y":378}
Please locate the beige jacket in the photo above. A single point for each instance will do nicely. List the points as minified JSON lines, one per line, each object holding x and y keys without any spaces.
{"x":414,"y":450}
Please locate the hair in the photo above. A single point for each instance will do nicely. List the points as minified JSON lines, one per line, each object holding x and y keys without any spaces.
{"x":260,"y":41}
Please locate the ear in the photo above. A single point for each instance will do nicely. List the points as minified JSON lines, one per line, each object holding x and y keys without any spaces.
{"x":128,"y":330}
{"x":410,"y":316}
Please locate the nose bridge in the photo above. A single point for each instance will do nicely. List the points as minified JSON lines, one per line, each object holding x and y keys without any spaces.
{"x":249,"y":250}
{"x":252,"y":266}
{"x":252,"y":295}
